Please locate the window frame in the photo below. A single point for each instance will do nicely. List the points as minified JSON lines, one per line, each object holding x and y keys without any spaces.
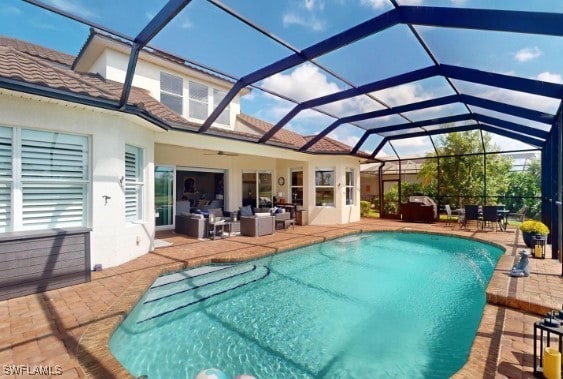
{"x":350,"y":188}
{"x":292,"y":186}
{"x":197,"y":101}
{"x":169,"y":92}
{"x":225,"y":116}
{"x":328,"y":187}
{"x":65,"y":161}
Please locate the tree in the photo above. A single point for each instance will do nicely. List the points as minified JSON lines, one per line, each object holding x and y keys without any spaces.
{"x":524,"y":188}
{"x":462,"y":168}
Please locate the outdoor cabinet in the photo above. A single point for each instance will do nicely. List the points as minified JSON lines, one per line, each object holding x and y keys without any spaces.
{"x":38,"y":261}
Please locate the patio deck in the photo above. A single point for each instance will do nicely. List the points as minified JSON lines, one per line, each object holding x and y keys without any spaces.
{"x":69,"y":328}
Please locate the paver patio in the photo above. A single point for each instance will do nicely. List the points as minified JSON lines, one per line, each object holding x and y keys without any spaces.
{"x":68,"y":329}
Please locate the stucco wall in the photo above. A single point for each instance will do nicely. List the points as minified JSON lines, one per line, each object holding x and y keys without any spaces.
{"x":113,"y":241}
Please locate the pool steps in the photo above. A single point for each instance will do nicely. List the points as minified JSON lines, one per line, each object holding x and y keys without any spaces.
{"x":186,"y":274}
{"x":192,"y":288}
{"x":194,"y":282}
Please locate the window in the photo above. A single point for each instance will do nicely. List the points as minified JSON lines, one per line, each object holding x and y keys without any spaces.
{"x":43,"y":179}
{"x":171,"y":91}
{"x":224,"y":117}
{"x":133,"y":183}
{"x":257,"y":189}
{"x":297,"y":187}
{"x":324,"y":187}
{"x":198,"y":101}
{"x":350,"y":182}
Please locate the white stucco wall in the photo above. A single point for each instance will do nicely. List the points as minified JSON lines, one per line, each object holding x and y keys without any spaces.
{"x":340,"y":213}
{"x":113,"y":241}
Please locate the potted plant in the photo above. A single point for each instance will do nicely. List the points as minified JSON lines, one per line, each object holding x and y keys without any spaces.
{"x":532,"y":228}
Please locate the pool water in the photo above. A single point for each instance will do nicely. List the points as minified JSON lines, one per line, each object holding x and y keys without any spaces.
{"x":384,"y":304}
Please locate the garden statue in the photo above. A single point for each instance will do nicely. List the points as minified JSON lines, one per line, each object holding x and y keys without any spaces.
{"x":523,"y":266}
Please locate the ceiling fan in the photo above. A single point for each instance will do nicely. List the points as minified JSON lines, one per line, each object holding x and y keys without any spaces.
{"x":221,"y":152}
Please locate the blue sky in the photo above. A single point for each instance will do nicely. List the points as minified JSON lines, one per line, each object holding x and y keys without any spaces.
{"x":204,"y":33}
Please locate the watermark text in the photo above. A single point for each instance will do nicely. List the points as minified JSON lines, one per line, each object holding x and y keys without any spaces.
{"x":46,"y":370}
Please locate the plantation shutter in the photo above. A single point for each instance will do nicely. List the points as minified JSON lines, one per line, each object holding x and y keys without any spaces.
{"x":54,"y":175}
{"x":5,"y":178}
{"x":133,"y":183}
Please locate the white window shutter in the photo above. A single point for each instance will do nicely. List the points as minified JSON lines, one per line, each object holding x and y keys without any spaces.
{"x":54,"y":176}
{"x":133,"y":183}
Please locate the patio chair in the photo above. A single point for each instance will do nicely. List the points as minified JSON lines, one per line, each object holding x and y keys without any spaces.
{"x":448,"y":213}
{"x":518,"y":216}
{"x":256,"y":226}
{"x":471,"y":214}
{"x":490,"y":216}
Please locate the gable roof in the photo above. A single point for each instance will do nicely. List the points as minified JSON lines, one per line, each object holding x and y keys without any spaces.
{"x":38,"y":66}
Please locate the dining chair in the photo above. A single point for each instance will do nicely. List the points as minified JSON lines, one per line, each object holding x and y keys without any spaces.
{"x":490,"y":216}
{"x":472,"y":214}
{"x":449,"y":214}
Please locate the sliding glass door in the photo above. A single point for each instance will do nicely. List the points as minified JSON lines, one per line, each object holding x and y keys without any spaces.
{"x":164,"y":196}
{"x":257,"y":189}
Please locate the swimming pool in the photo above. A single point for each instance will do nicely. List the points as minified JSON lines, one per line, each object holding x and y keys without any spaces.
{"x":382,"y":304}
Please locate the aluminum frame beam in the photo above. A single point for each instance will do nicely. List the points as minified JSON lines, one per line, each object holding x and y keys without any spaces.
{"x":155,"y":25}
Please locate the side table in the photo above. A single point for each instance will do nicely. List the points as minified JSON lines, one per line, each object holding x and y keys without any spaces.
{"x":544,"y":327}
{"x":215,"y":227}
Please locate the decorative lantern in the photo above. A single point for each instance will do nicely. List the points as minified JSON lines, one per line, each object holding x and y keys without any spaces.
{"x":538,"y":246}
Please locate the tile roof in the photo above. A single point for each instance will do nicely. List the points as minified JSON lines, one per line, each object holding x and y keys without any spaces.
{"x":37,"y":50}
{"x":33,"y":64}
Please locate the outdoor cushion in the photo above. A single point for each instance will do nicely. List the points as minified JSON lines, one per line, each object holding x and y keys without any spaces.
{"x":246,"y":211}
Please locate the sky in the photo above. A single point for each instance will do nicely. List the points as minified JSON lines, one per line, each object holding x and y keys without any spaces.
{"x":204,"y":33}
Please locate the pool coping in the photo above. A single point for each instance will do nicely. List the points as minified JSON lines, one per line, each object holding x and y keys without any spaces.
{"x":95,"y":358}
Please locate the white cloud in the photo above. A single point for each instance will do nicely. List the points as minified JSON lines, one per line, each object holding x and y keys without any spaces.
{"x":74,"y":7}
{"x":310,"y":21}
{"x":304,"y":83}
{"x":404,"y":94}
{"x":345,"y":137}
{"x":550,"y":77}
{"x":526,"y":54}
{"x":312,"y":5}
{"x":375,"y":4}
{"x":9,"y":10}
{"x":306,"y":13}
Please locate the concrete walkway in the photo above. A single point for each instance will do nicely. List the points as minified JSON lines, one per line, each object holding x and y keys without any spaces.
{"x":67,"y":330}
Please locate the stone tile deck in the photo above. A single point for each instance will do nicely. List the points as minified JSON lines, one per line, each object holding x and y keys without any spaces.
{"x":68,"y":329}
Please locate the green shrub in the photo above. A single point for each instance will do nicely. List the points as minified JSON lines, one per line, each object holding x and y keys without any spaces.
{"x":364,"y":208}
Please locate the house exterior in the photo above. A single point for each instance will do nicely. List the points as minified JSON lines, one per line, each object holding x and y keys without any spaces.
{"x":70,"y":159}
